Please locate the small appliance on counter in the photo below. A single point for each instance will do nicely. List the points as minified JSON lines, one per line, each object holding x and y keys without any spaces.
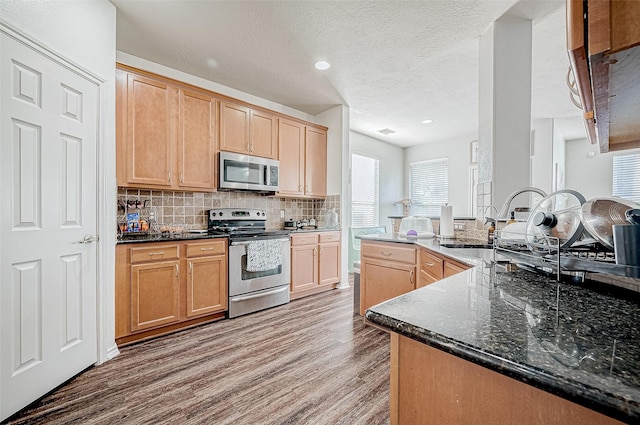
{"x":290,"y":224}
{"x":417,"y":227}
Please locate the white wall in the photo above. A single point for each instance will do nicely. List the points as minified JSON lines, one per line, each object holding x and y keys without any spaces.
{"x":457,"y":151}
{"x":85,"y":33}
{"x":391,"y":172}
{"x":160,"y":69}
{"x":333,"y":118}
{"x":337,"y":119}
{"x":542,"y":158}
{"x":590,"y":175}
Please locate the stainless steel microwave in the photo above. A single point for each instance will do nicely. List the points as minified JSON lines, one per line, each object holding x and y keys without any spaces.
{"x":246,"y":172}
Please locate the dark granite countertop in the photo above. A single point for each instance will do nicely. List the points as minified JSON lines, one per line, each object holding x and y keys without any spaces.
{"x":578,"y":341}
{"x":165,"y":237}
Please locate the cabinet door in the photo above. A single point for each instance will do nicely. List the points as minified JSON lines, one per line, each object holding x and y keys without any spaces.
{"x":196,"y":147}
{"x":316,"y":163}
{"x":383,"y":280}
{"x":263,"y":135}
{"x":425,"y":279}
{"x":155,"y":294}
{"x":234,"y":128}
{"x":304,"y":271}
{"x":206,"y":285}
{"x":151,"y":120}
{"x":291,"y":153}
{"x":329,"y":263}
{"x":451,"y":268}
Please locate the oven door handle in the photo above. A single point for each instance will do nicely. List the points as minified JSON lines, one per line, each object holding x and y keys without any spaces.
{"x":250,"y":297}
{"x":247,"y":243}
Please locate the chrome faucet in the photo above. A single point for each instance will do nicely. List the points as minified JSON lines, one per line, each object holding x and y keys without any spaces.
{"x":507,"y":205}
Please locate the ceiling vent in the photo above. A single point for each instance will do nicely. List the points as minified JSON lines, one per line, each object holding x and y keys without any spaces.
{"x":386,"y":131}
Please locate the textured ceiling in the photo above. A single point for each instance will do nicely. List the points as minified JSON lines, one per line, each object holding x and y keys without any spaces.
{"x":394,"y":63}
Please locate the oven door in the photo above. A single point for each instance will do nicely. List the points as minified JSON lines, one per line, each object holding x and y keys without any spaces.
{"x":242,"y":281}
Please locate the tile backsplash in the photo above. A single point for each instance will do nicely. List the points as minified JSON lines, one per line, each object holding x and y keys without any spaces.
{"x":189,"y":209}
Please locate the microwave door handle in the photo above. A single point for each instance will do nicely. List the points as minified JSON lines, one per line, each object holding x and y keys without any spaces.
{"x":266,"y":175}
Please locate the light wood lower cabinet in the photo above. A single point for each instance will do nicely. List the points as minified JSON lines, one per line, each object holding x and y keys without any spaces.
{"x":390,"y":269}
{"x":315,"y":262}
{"x":434,"y":266}
{"x":155,"y":294}
{"x":387,"y":270}
{"x":165,"y":286}
{"x":429,"y":386}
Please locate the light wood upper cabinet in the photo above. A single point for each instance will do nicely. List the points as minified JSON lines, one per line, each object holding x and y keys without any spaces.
{"x":603,"y":42}
{"x":291,"y":141}
{"x":149,"y":121}
{"x":303,"y":160}
{"x":263,"y":134}
{"x":234,"y":128}
{"x":165,"y":134}
{"x":247,"y":131}
{"x":315,"y":163}
{"x":197,"y":140}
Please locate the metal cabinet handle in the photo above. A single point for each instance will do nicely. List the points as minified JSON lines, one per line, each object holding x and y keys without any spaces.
{"x":169,"y":176}
{"x":386,"y":253}
{"x":429,"y":264}
{"x":190,"y":267}
{"x":411,"y":274}
{"x":206,"y":249}
{"x":321,"y":249}
{"x":315,"y":251}
{"x":181,"y":177}
{"x":155,"y":253}
{"x":177,"y":270}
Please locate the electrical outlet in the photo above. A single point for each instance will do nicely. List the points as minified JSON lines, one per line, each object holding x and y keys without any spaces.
{"x":281,"y":213}
{"x":152,"y":215}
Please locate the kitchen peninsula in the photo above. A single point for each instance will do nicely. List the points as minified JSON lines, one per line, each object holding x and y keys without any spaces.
{"x":514,"y":347}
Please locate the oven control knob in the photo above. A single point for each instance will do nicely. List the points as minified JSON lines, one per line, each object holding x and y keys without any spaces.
{"x":213,"y":214}
{"x":263,"y":214}
{"x":221,"y":213}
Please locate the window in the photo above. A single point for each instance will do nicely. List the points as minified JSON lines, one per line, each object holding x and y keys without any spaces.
{"x":364,"y":191}
{"x":428,"y":186}
{"x":626,"y":176}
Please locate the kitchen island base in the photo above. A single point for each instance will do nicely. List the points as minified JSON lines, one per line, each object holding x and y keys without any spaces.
{"x":430,"y":386}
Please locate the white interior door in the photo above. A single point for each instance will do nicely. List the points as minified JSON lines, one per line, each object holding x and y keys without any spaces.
{"x":48,"y":176}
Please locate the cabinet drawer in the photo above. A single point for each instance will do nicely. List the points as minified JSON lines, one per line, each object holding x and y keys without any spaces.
{"x":394,"y":252}
{"x":307,"y":239}
{"x":330,"y":237}
{"x":201,"y":249}
{"x":431,"y":264}
{"x":154,"y":253}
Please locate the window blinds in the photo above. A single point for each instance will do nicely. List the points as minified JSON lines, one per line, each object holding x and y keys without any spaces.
{"x":428,"y":186}
{"x":364,"y":191}
{"x":626,"y":176}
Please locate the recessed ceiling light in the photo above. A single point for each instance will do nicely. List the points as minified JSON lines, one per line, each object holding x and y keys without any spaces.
{"x":322,"y":65}
{"x":211,"y":62}
{"x":427,"y":121}
{"x":386,"y":131}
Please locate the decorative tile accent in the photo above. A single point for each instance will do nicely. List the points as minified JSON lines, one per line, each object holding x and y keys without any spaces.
{"x":190,"y":208}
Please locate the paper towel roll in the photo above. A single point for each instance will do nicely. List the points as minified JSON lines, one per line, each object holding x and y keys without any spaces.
{"x":446,"y":222}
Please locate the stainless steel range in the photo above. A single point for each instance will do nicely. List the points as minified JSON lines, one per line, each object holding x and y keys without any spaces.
{"x":259,"y":260}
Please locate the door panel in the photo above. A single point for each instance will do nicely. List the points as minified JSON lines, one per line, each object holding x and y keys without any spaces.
{"x":155,"y":294}
{"x":315,"y":163}
{"x":291,"y":156}
{"x":263,"y":135}
{"x":197,"y":145}
{"x":304,"y":267}
{"x":48,"y":174}
{"x":234,"y":128}
{"x":206,"y":285}
{"x":329,"y":263}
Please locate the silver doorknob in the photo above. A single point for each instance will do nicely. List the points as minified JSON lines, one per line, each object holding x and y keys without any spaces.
{"x":90,"y":239}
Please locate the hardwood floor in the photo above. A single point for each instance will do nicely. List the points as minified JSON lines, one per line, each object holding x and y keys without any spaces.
{"x":309,"y":362}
